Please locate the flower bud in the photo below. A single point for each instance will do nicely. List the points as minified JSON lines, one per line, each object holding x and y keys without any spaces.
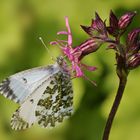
{"x":97,"y":28}
{"x":89,"y":30}
{"x":113,"y":20}
{"x":98,"y":24}
{"x":126,"y":19}
{"x":134,"y":61}
{"x":113,"y":28}
{"x":133,"y":42}
{"x":113,"y":31}
{"x":133,"y":36}
{"x":89,"y":46}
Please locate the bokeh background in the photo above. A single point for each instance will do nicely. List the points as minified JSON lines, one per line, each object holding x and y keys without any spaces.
{"x":22,"y":22}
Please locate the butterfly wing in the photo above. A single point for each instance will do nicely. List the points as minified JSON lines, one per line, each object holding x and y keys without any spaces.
{"x":45,"y":94}
{"x":50,"y":103}
{"x":56,"y":102}
{"x":19,"y":86}
{"x":24,"y":116}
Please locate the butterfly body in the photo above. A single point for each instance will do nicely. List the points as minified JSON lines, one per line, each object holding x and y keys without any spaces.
{"x":45,"y":95}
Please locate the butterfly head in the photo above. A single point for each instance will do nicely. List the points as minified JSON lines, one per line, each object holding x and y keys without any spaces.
{"x":60,"y":61}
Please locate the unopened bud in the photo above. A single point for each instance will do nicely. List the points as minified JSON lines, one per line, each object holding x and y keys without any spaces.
{"x":113,"y":20}
{"x":89,"y":46}
{"x":88,"y":30}
{"x":97,"y":28}
{"x":134,"y":61}
{"x":98,"y":24}
{"x":126,"y":19}
{"x":133,"y":36}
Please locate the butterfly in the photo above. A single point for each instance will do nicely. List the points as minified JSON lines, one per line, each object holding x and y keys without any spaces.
{"x":45,"y":95}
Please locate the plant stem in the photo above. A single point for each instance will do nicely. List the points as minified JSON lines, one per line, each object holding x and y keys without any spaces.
{"x":122,"y":84}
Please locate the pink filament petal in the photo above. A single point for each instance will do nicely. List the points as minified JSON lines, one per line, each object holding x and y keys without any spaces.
{"x":79,"y":72}
{"x":62,"y":32}
{"x":67,"y":52}
{"x":61,"y":43}
{"x":89,"y":68}
{"x":54,"y":43}
{"x":69,"y":32}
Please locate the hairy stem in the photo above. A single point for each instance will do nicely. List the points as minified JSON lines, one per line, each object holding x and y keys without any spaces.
{"x":122,"y":84}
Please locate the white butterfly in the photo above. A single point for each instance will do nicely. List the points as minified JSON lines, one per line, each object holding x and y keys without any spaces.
{"x":45,"y":95}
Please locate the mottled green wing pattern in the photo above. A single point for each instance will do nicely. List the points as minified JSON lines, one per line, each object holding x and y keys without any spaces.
{"x":56,"y":103}
{"x":25,"y":117}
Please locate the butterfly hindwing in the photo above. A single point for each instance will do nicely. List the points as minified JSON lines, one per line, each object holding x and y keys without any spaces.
{"x":24,"y":117}
{"x":56,"y":102}
{"x":19,"y":86}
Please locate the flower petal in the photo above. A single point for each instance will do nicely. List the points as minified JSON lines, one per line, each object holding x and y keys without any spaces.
{"x":69,"y":31}
{"x":79,"y":72}
{"x":89,"y":68}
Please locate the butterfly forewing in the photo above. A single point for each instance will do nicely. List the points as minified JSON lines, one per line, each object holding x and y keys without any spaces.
{"x":19,"y":86}
{"x":56,"y":102}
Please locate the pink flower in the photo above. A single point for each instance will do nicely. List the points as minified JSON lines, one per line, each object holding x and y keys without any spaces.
{"x":75,"y":54}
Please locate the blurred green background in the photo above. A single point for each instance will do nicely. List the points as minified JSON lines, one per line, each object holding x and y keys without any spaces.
{"x":22,"y":22}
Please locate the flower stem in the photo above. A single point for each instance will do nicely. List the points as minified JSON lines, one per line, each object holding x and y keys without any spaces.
{"x":122,"y":84}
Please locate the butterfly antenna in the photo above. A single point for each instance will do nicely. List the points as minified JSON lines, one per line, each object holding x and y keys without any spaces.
{"x":52,"y":57}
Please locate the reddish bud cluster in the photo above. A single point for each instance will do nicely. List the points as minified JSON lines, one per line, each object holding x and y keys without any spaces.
{"x":76,"y":54}
{"x":118,"y":26}
{"x":127,"y":55}
{"x":133,"y":47}
{"x":97,"y":28}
